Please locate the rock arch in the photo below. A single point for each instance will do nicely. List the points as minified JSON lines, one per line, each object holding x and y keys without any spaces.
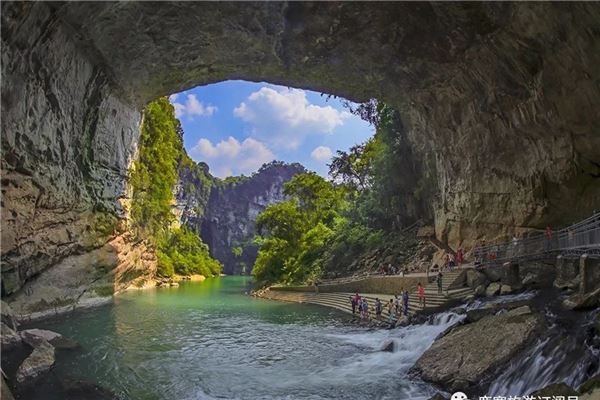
{"x":500,"y":103}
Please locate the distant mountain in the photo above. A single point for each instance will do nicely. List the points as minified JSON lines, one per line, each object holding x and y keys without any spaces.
{"x":224,"y":212}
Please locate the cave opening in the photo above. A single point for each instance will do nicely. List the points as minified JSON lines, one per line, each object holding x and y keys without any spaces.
{"x":248,"y":139}
{"x":491,"y":133}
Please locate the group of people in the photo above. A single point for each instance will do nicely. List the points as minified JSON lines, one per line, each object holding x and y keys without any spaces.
{"x":451,"y":260}
{"x":361,"y":304}
{"x":391,"y":270}
{"x":396,"y":307}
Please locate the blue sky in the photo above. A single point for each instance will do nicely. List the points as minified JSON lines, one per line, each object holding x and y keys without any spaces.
{"x":236,"y":126}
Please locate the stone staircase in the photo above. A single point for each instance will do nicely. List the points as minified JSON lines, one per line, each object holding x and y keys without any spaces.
{"x":451,"y":290}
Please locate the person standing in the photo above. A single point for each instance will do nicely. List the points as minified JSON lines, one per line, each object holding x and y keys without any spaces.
{"x":353,"y":303}
{"x":397,"y":304}
{"x":390,"y":307}
{"x":460,"y":255}
{"x":405,"y":302}
{"x":421,"y":292}
{"x":378,"y":307}
{"x":439,"y":282}
{"x":365,"y":305}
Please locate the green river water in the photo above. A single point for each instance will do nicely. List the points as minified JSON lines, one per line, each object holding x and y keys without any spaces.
{"x":211,"y":340}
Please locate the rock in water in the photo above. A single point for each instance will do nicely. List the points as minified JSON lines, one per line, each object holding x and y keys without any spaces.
{"x":493,"y":289}
{"x":468,"y":353}
{"x":583,"y":301}
{"x":38,"y":363}
{"x":34,"y":337}
{"x":480,"y":290}
{"x":505,"y":289}
{"x":388,"y":346}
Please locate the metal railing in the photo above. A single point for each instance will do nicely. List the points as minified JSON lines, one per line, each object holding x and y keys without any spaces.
{"x":572,"y":241}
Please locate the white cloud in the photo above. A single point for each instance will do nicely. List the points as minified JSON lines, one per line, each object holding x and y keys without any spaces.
{"x":321,"y":153}
{"x":229,"y":157}
{"x":191,"y":107}
{"x":283,"y":117}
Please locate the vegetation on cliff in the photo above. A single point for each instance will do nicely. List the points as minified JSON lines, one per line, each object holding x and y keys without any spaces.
{"x":153,"y":176}
{"x":297,"y":230}
{"x":329,"y":225}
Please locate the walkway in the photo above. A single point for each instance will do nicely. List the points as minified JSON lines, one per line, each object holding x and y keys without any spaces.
{"x":573,"y":241}
{"x":340,"y":300}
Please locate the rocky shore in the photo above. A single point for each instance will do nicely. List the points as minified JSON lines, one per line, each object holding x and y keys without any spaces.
{"x":28,"y":357}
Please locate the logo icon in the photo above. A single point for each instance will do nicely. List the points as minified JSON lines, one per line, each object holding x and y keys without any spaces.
{"x":459,"y":396}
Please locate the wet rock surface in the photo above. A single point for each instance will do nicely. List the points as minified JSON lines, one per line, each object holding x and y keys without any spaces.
{"x":455,"y":360}
{"x":36,"y":364}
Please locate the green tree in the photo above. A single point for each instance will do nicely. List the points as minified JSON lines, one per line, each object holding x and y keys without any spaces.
{"x":295,"y":232}
{"x":153,"y":177}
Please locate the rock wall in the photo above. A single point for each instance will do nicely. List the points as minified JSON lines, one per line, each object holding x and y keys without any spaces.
{"x":67,"y":141}
{"x":225,"y":219}
{"x":500,"y":103}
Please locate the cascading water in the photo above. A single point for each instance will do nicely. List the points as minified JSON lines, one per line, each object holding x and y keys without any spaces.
{"x":559,"y":355}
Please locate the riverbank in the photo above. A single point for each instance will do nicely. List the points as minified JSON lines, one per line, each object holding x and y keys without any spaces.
{"x":89,"y":299}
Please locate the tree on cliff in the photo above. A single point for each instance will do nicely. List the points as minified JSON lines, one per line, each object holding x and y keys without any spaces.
{"x":153,"y":177}
{"x":295,"y":231}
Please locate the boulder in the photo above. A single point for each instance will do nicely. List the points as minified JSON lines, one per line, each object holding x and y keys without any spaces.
{"x":538,"y":274}
{"x":555,"y":389}
{"x":505,"y":289}
{"x":493,"y":289}
{"x":475,"y":278}
{"x":388,"y":346}
{"x":477,"y":314}
{"x":480,"y":290}
{"x":38,"y":363}
{"x":567,"y":273}
{"x":9,"y":337}
{"x":174,"y":284}
{"x":455,"y":360}
{"x":493,"y":274}
{"x":8,"y":316}
{"x":583,"y":301}
{"x":34,"y":337}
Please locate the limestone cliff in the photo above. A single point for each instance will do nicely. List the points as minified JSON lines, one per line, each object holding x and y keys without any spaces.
{"x":500,"y":103}
{"x":223,"y":212}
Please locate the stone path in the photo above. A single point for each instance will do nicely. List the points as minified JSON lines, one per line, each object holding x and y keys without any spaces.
{"x":341,"y":301}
